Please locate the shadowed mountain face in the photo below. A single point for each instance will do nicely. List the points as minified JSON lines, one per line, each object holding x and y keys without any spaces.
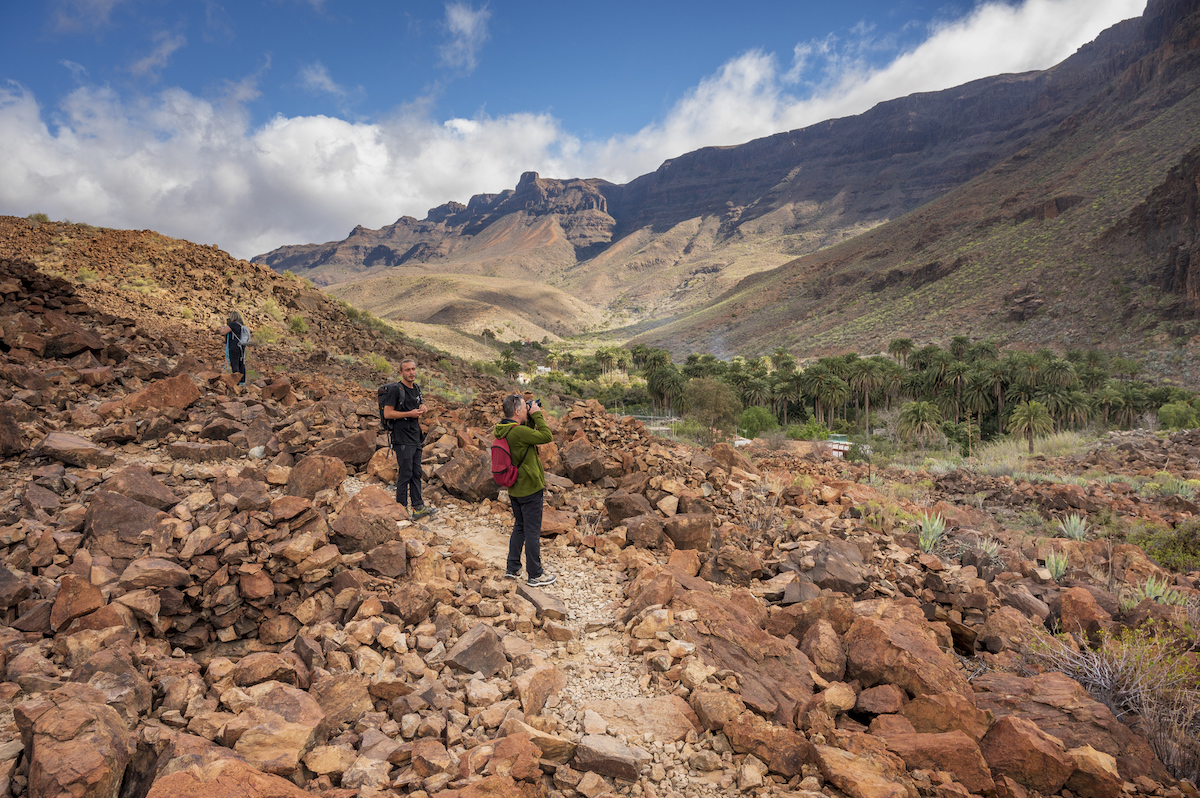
{"x":1088,"y":237}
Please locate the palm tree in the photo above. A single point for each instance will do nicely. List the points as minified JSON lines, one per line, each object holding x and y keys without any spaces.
{"x":607,"y":359}
{"x":997,"y":379}
{"x":1107,"y":398}
{"x":788,"y":389}
{"x":956,"y":378}
{"x":1030,"y":419}
{"x":834,"y":391}
{"x":959,"y":345}
{"x":1060,"y":372}
{"x":983,"y":350}
{"x":900,"y":349}
{"x":552,"y":359}
{"x":1077,"y":409}
{"x":665,"y":385}
{"x":780,"y":356}
{"x":757,"y":391}
{"x":867,"y":375}
{"x":919,"y":422}
{"x":654,"y":359}
{"x":977,"y":394}
{"x":510,"y":367}
{"x":1054,"y":399}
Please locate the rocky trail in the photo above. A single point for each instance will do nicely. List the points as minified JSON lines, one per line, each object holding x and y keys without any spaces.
{"x":208,"y":589}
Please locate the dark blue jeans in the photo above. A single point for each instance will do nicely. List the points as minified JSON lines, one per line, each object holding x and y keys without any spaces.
{"x":408,"y":480}
{"x":527,"y":534}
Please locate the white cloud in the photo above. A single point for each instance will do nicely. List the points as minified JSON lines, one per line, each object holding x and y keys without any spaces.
{"x":165,"y":45}
{"x":315,"y":77}
{"x":75,"y":16}
{"x":196,"y":169}
{"x":467,"y":27}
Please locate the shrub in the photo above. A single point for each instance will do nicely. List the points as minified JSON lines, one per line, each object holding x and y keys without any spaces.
{"x":143,"y":285}
{"x":86,"y":275}
{"x":756,"y":420}
{"x":41,"y":218}
{"x":379,"y":363}
{"x":297,"y":324}
{"x":1074,"y":527}
{"x":1141,"y":671}
{"x":187,"y":313}
{"x":263,"y":336}
{"x":933,"y":529}
{"x":271,"y":308}
{"x":812,"y":430}
{"x":1177,"y":549}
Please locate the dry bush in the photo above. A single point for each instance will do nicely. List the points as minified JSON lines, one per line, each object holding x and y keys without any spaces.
{"x":1140,"y":674}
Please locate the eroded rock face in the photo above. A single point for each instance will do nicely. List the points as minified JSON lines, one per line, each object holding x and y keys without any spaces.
{"x":898,"y":651}
{"x":77,"y":744}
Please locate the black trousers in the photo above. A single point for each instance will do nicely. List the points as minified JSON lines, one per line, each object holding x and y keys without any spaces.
{"x":237,"y":362}
{"x":527,"y":534}
{"x":408,"y":480}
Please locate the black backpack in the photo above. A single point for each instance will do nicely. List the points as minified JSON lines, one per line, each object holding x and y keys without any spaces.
{"x":388,"y":394}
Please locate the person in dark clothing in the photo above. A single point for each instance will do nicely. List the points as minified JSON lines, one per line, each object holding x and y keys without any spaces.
{"x":236,"y":338}
{"x":405,"y":408}
{"x":526,"y":495}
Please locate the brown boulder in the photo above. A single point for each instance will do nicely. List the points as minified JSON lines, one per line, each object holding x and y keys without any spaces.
{"x":75,"y":743}
{"x":952,"y":751}
{"x":784,"y":751}
{"x":1061,"y":707}
{"x":1017,"y":748}
{"x":644,"y":531}
{"x":666,"y":718}
{"x":898,"y":651}
{"x":227,"y":777}
{"x":117,"y":524}
{"x":946,"y":712}
{"x":689,"y":530}
{"x":1081,"y":614}
{"x":177,"y":392}
{"x":731,"y":458}
{"x":581,"y":462}
{"x":356,"y":449}
{"x":314,"y":474}
{"x":137,"y":483}
{"x":822,"y":645}
{"x":468,"y":476}
{"x":367,"y":520}
{"x":621,"y":505}
{"x":76,"y":597}
{"x":76,"y":451}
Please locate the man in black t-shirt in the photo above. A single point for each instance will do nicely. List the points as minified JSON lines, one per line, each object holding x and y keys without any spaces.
{"x":404,"y":409}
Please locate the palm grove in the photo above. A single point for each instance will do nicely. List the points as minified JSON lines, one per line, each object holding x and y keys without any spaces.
{"x":969,"y":391}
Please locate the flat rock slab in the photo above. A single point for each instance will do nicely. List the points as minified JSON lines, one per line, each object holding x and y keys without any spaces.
{"x":547,"y":606}
{"x":76,"y":451}
{"x":608,"y":756}
{"x":478,"y":651}
{"x":668,"y":717}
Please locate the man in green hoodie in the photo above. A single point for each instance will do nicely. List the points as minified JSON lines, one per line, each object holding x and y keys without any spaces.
{"x":526,"y":495}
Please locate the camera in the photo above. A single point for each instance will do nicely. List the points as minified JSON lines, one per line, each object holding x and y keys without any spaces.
{"x":531,"y":402}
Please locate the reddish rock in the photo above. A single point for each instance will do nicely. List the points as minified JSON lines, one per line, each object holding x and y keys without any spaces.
{"x":76,"y":596}
{"x":620,"y":506}
{"x":666,"y":718}
{"x":517,"y":756}
{"x":468,"y":476}
{"x":689,"y":530}
{"x":227,"y":777}
{"x":1081,"y":614}
{"x":581,"y":462}
{"x":201,"y":452}
{"x":135,"y":482}
{"x":74,"y":450}
{"x":899,"y":652}
{"x":1061,"y":707}
{"x":478,"y":651}
{"x":822,"y":645}
{"x":715,"y":709}
{"x":177,"y":392}
{"x":784,"y":751}
{"x":882,"y":700}
{"x":945,"y":712}
{"x":952,"y":751}
{"x":645,"y":531}
{"x":75,"y":743}
{"x":864,"y":768}
{"x":1017,"y":748}
{"x":314,"y":474}
{"x":731,"y":458}
{"x":367,"y":520}
{"x":356,"y":449}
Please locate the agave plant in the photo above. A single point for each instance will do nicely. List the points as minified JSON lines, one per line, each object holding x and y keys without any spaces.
{"x":1155,"y":588}
{"x":1056,"y":564}
{"x":1074,"y":527}
{"x":933,"y":529}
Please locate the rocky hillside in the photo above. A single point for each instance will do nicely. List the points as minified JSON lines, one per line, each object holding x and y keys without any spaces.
{"x":680,"y":236}
{"x":1079,"y":240}
{"x":207,"y":589}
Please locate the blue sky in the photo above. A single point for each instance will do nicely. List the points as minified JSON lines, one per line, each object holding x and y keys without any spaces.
{"x":256,"y":123}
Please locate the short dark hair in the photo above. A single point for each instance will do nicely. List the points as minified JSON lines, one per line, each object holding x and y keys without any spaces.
{"x":510,"y":405}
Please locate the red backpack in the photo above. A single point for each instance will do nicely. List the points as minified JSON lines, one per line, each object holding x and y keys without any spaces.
{"x":504,"y":471}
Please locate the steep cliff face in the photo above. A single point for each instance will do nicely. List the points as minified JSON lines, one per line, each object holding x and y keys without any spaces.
{"x":1167,"y":228}
{"x":578,"y":207}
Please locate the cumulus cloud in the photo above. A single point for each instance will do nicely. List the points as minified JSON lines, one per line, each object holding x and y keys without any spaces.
{"x":197,"y":169}
{"x":164,"y":45}
{"x":467,"y":28}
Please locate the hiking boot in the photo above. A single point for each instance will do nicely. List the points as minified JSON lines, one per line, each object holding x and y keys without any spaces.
{"x":543,"y":580}
{"x":512,"y":576}
{"x":422,"y":512}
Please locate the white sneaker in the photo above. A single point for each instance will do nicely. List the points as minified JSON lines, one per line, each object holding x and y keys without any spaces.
{"x":543,"y":580}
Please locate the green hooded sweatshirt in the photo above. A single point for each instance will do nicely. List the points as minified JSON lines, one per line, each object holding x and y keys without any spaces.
{"x":531,"y":477}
